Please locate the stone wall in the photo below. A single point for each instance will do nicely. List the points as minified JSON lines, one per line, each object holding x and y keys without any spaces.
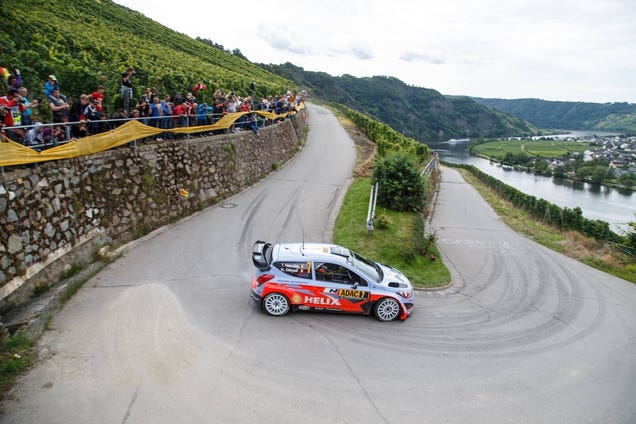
{"x":61,"y":213}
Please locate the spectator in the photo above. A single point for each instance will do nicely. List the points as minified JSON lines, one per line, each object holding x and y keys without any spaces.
{"x":11,"y":110}
{"x":50,"y":85}
{"x":149,"y":95}
{"x":168,"y":108}
{"x":98,"y":96}
{"x":34,"y":137}
{"x":251,"y":122}
{"x":59,"y":134}
{"x":231,"y":107}
{"x":156,"y":115}
{"x":278,"y":105}
{"x":76,"y":114}
{"x":127,"y":88}
{"x":27,"y":115}
{"x":180,"y":114}
{"x":134,"y":115}
{"x":15,"y":81}
{"x":92,"y":116}
{"x":119,"y":118}
{"x":144,"y":110}
{"x":219,"y":109}
{"x":202,"y":114}
{"x":59,"y":106}
{"x":246,"y":105}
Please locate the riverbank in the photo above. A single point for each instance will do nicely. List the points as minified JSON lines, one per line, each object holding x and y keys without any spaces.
{"x":597,"y":254}
{"x":606,"y":161}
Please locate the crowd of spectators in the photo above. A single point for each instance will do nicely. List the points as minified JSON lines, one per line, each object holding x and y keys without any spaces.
{"x":87,"y":114}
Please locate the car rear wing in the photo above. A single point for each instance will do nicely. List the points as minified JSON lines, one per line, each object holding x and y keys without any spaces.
{"x":262,"y":255}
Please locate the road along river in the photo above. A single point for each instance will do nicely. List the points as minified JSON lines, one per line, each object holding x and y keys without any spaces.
{"x":166,"y":333}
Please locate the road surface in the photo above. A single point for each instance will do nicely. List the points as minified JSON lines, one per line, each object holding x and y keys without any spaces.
{"x":166,"y":334}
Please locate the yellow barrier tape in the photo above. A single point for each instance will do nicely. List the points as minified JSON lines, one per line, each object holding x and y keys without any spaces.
{"x":12,"y":153}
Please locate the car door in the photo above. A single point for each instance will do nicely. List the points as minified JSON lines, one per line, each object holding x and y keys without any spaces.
{"x":340,"y":288}
{"x":295,"y":280}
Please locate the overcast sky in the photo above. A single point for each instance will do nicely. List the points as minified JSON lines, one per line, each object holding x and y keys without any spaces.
{"x":575,"y":50}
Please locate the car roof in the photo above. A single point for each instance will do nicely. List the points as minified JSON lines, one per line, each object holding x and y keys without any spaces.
{"x":310,"y":251}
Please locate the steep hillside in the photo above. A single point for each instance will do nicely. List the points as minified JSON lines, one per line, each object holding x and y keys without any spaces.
{"x":569,"y":115}
{"x":421,"y":113}
{"x":85,"y":43}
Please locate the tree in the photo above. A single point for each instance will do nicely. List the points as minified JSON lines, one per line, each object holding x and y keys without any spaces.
{"x":631,"y":236}
{"x":401,"y":187}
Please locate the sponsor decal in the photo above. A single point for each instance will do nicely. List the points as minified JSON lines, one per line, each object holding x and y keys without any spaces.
{"x":324,"y":301}
{"x":353,"y":294}
{"x":296,"y":299}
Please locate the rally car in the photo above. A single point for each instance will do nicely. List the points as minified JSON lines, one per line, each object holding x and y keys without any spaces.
{"x":327,"y":277}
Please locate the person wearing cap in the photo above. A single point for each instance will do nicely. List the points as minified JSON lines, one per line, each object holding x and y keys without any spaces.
{"x":50,"y":85}
{"x":34,"y":137}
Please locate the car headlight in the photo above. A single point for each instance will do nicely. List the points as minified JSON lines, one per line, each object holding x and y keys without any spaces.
{"x":406,"y":294}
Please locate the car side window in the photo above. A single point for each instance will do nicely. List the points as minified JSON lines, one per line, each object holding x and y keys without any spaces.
{"x":295,"y":269}
{"x":335,"y":273}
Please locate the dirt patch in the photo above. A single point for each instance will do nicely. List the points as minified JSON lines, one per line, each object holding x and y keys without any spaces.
{"x":579,"y":247}
{"x":364,"y":146}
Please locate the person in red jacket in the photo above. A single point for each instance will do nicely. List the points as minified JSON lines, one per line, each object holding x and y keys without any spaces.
{"x":11,"y":108}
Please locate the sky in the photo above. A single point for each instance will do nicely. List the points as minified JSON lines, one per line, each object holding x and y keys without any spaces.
{"x":570,"y":50}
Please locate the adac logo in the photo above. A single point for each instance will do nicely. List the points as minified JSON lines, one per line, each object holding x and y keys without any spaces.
{"x":352,"y":294}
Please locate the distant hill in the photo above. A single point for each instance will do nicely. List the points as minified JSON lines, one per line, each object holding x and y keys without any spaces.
{"x":85,"y":43}
{"x":569,"y":115}
{"x":421,"y":113}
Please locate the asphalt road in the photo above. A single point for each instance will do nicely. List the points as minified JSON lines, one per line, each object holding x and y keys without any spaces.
{"x":166,"y":334}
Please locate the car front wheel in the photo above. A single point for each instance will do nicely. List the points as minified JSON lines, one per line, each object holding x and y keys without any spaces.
{"x":386,"y":309}
{"x":276,"y":304}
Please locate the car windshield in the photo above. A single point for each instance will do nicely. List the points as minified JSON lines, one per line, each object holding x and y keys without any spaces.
{"x":367,"y":267}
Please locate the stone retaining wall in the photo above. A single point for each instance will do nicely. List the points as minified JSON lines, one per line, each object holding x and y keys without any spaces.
{"x":61,"y":213}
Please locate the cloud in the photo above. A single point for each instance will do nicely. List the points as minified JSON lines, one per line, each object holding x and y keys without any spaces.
{"x":362,"y":52}
{"x":281,"y":39}
{"x":410,"y":56}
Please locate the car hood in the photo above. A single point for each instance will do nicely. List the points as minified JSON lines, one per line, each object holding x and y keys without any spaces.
{"x":392,"y":275}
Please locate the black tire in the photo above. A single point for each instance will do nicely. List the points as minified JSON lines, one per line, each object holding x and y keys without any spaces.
{"x":386,"y":309}
{"x":276,"y":304}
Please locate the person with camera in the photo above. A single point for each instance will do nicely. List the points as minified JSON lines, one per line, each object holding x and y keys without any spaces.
{"x":59,"y":106}
{"x":11,"y":108}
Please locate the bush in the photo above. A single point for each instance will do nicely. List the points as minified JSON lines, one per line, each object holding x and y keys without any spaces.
{"x":383,"y":221}
{"x":401,"y":187}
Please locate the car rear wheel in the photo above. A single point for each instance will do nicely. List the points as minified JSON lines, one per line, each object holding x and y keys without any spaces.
{"x":386,"y":309}
{"x":276,"y":304}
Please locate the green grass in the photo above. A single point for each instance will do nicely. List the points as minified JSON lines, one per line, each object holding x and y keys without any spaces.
{"x":16,"y":355}
{"x":497,"y":149}
{"x":388,"y":246}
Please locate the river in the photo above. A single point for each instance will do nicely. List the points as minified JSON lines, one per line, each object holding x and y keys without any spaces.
{"x":614,"y":206}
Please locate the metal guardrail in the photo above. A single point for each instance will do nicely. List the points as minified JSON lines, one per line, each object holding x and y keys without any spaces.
{"x":373,"y":198}
{"x":433,"y":164}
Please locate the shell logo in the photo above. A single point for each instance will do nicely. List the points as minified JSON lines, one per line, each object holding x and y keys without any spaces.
{"x":296,"y":298}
